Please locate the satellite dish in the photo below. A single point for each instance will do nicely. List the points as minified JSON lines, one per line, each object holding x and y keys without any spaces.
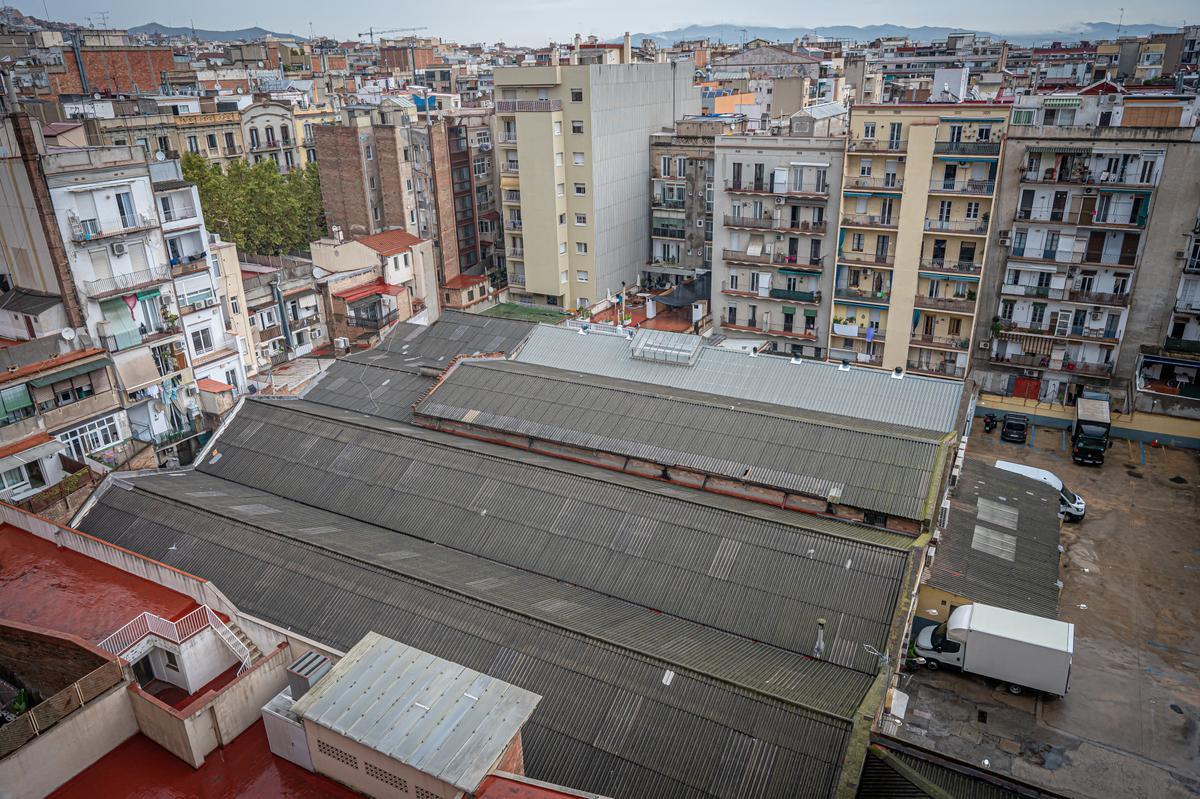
{"x":68,"y":334}
{"x":159,"y":155}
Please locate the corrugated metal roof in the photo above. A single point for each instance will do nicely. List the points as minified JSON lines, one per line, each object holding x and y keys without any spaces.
{"x":873,"y":466}
{"x":442,"y":719}
{"x":1001,"y":545}
{"x":858,"y":392}
{"x":375,"y":390}
{"x":890,"y":773}
{"x":410,"y":346}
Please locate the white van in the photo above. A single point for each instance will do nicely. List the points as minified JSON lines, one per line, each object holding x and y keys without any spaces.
{"x":1070,"y":504}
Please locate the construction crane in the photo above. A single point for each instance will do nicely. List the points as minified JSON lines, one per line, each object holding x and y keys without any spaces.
{"x":370,"y":32}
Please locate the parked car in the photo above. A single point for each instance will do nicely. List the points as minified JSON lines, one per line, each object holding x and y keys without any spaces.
{"x":1014,"y":427}
{"x":1070,"y":504}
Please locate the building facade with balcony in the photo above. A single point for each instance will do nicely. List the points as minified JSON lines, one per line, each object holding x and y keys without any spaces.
{"x":682,"y":197}
{"x":283,"y":309}
{"x":107,"y":212}
{"x":572,"y":146}
{"x":916,"y":210}
{"x":773,"y":257}
{"x":269,"y":132}
{"x":1090,"y":242}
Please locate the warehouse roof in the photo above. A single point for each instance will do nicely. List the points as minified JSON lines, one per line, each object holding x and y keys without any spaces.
{"x":370,"y":389}
{"x":922,"y":402}
{"x":892,"y":771}
{"x":411,"y":346}
{"x":872,"y":466}
{"x":1001,"y":544}
{"x":445,"y":720}
{"x":665,"y":629}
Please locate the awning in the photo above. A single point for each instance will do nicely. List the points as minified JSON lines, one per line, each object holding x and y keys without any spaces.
{"x":787,"y":309}
{"x":66,"y":374}
{"x":810,"y":312}
{"x":685,"y":294}
{"x":1031,"y":267}
{"x":1167,"y":359}
{"x":1107,"y":190}
{"x":984,"y":120}
{"x":791,"y":270}
{"x":121,"y":324}
{"x":36,"y":447}
{"x":940,"y":276}
{"x":1061,"y":102}
{"x":965,"y":158}
{"x":378,"y":287}
{"x":1059,"y":148}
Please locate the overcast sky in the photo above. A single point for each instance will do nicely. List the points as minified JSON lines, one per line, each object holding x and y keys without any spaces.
{"x":537,"y":21}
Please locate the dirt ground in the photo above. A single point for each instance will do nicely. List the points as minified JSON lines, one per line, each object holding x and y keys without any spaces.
{"x":1131,"y":574}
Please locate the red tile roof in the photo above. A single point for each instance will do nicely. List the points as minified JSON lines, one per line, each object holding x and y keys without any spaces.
{"x":390,"y":242}
{"x":213,"y":386}
{"x":60,"y":589}
{"x":245,"y":767}
{"x":29,"y":442}
{"x":377,"y":286}
{"x":465,"y":281}
{"x":49,"y":364}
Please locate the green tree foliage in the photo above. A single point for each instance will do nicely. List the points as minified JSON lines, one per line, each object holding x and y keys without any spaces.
{"x":266,"y":212}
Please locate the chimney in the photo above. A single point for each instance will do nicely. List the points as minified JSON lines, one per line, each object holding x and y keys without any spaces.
{"x":575,"y":50}
{"x":627,"y":50}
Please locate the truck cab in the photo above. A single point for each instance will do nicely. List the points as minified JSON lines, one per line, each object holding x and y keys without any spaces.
{"x":938,"y":650}
{"x":1090,"y":433}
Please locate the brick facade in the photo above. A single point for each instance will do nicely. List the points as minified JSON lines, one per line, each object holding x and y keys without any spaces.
{"x":114,"y":70}
{"x":344,"y":183}
{"x":446,"y":242}
{"x":42,"y":661}
{"x":394,"y":172}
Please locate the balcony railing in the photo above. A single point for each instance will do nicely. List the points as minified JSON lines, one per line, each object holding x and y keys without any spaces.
{"x":757,"y":222}
{"x":940,"y":369}
{"x":127,"y":283}
{"x":671,"y":205}
{"x":967,"y":147}
{"x":510,"y":168}
{"x":951,"y":267}
{"x":1192,"y":266}
{"x":513,"y":224}
{"x":868,"y":260}
{"x":178,"y":214}
{"x":942,"y":342}
{"x":519,"y":106}
{"x":1182,"y":345}
{"x":511,"y":196}
{"x":508,"y":138}
{"x":745,"y":257}
{"x":858,"y":331}
{"x":1025,"y":290}
{"x":800,"y":226}
{"x":1100,"y":298}
{"x":870,"y":220}
{"x":1085,"y":178}
{"x":953,"y":304}
{"x":976,"y":227}
{"x":667,"y":232}
{"x":1188,"y":305}
{"x":888,"y":181}
{"x":369,"y":322}
{"x":91,"y":229}
{"x":811,"y":297}
{"x":963,"y":186}
{"x":1060,"y":216}
{"x":878,"y":145}
{"x":784,"y":259}
{"x":846,"y":293}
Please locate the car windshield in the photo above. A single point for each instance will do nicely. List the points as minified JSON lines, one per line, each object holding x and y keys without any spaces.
{"x":1092,"y":431}
{"x":938,"y":636}
{"x":1014,"y":424}
{"x":1070,"y":496}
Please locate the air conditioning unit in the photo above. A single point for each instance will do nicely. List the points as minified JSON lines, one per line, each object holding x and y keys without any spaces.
{"x":943,"y":514}
{"x":210,"y":302}
{"x":1089,"y":190}
{"x":1180,"y":254}
{"x":902,"y":158}
{"x":118,"y":248}
{"x":780,"y":200}
{"x":192,"y":391}
{"x":342,"y":343}
{"x":1005,"y":241}
{"x":985,"y":343}
{"x":486,"y":147}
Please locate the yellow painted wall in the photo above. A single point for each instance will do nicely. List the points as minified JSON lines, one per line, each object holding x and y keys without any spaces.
{"x":917,"y":171}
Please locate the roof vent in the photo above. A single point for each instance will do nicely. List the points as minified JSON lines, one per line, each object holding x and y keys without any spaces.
{"x":305,"y":672}
{"x":898,"y":373}
{"x":844,"y":366}
{"x":583,"y":329}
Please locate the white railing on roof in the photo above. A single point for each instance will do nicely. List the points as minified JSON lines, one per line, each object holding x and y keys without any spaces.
{"x":175,"y":631}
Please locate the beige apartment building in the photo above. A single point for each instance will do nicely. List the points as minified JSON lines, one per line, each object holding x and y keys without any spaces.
{"x":572,"y":145}
{"x":217,"y":136}
{"x":916,"y":210}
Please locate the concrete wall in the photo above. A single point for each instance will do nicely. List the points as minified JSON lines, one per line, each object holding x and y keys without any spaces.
{"x":44,"y":662}
{"x":349,"y":767}
{"x":67,"y":748}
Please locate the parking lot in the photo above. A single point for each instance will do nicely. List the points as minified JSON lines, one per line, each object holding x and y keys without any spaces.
{"x":1131,"y":574}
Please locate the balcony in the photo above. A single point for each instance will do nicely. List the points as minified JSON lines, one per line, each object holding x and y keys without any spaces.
{"x":982,"y":187}
{"x":943,"y":369}
{"x":889,"y":182}
{"x":179,"y":214}
{"x":1182,"y":345}
{"x":943,"y":266}
{"x":858,"y":331}
{"x":965,"y":227}
{"x":1084,"y":178}
{"x":960,"y":305}
{"x":1192,"y":266}
{"x":667,"y":232}
{"x":128,"y":283}
{"x":870,"y":220}
{"x":754,"y":222}
{"x":1112,"y":220}
{"x":1051,"y":215}
{"x":1104,"y":336}
{"x":798,"y":261}
{"x":1189,"y":306}
{"x":867,"y":260}
{"x":192,"y":265}
{"x":93,"y":229}
{"x":521,"y":106}
{"x":1099,"y":298}
{"x":513,"y":224}
{"x":966,"y":147}
{"x":511,"y":196}
{"x":770,"y":187}
{"x":752,"y":327}
{"x":508,"y":137}
{"x":859,"y":295}
{"x":809,"y":297}
{"x":941,"y":342}
{"x":1025,"y":290}
{"x":813,"y":228}
{"x":877,"y":145}
{"x":510,"y":168}
{"x":367,"y":322}
{"x":664,"y":204}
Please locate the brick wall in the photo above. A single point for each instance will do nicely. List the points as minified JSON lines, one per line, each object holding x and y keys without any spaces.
{"x":114,"y":69}
{"x":43,"y":662}
{"x":343,"y":182}
{"x":393,"y":171}
{"x":443,"y":197}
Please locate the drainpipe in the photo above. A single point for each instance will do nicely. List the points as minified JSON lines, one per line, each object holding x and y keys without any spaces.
{"x":75,"y":48}
{"x":283,"y":319}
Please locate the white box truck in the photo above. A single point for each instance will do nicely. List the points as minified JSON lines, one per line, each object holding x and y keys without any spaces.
{"x":1020,"y":649}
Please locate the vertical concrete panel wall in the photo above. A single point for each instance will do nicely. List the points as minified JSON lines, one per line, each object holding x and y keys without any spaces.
{"x":918,"y":169}
{"x":67,"y":748}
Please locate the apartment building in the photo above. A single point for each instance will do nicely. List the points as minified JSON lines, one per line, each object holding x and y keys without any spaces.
{"x":1095,"y":207}
{"x":916,"y":210}
{"x":306,"y":121}
{"x":284,"y":310}
{"x":772,"y":262}
{"x":573,"y":144}
{"x":269,"y":130}
{"x":682,"y":166}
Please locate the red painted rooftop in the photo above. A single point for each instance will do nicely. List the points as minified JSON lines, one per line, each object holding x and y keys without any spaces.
{"x":390,"y":242}
{"x":245,"y":768}
{"x":59,"y":589}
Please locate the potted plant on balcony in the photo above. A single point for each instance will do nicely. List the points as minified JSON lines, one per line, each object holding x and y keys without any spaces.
{"x":971,"y":295}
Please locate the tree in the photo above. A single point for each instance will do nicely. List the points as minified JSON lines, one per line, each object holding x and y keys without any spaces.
{"x":264,"y":211}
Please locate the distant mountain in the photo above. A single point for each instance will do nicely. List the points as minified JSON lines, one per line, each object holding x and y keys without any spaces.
{"x":245,"y":34}
{"x":735,"y":33}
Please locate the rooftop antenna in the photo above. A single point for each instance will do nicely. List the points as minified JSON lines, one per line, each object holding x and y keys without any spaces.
{"x":103,"y":15}
{"x":1120,"y":22}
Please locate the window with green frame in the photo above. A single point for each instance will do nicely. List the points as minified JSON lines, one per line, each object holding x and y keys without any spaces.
{"x":15,"y":404}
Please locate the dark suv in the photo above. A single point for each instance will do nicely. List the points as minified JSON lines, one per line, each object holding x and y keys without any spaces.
{"x":1014,"y":427}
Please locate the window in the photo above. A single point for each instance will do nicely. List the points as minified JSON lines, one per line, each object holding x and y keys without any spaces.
{"x":577,"y":159}
{"x":90,"y":437}
{"x":580,"y":219}
{"x":1006,"y":310}
{"x":15,"y":404}
{"x":562,"y":248}
{"x":202,"y":341}
{"x":1024,"y":117}
{"x":985,"y":131}
{"x":868,"y":130}
{"x":557,"y":128}
{"x":311,"y":152}
{"x":577,"y":126}
{"x":864,"y":168}
{"x":375,"y":212}
{"x":562,"y":219}
{"x":972,"y":210}
{"x":233,"y":306}
{"x":558,"y":159}
{"x":289,"y":158}
{"x":171,"y":662}
{"x":664,"y":167}
{"x":580,"y":189}
{"x":681,"y":167}
{"x":577,"y":95}
{"x":581,"y":275}
{"x":856,"y":242}
{"x":480,"y":167}
{"x":371,"y":182}
{"x":230,"y":142}
{"x":15,"y":478}
{"x":370,"y":152}
{"x":193,"y":144}
{"x":212,"y":141}
{"x":560,"y":190}
{"x":581,"y":248}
